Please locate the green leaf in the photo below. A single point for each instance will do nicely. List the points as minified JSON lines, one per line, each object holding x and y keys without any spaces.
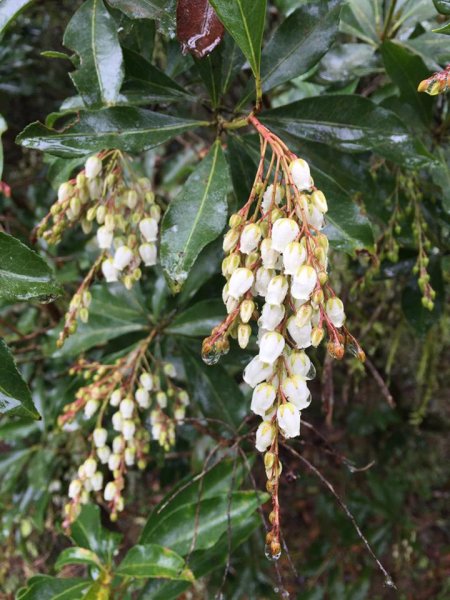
{"x":24,"y":275}
{"x":444,"y":29}
{"x":10,"y":10}
{"x":43,"y":587}
{"x":216,"y":393}
{"x":206,"y":266}
{"x":161,"y":10}
{"x":363,"y":19}
{"x":407,"y":70}
{"x":154,"y":561}
{"x":211,"y":515}
{"x":198,"y":320}
{"x":124,"y":128}
{"x":348,"y":123}
{"x":113,"y":312}
{"x":15,"y":397}
{"x":87,"y":532}
{"x":442,"y":6}
{"x":243,"y":160}
{"x":300,"y":42}
{"x":76,"y":555}
{"x":3,"y":128}
{"x":244,"y":20}
{"x":196,"y":216}
{"x":92,"y":34}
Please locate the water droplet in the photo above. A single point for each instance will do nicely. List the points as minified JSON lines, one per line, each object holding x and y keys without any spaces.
{"x":311,"y":372}
{"x":388,"y":582}
{"x":270,"y":556}
{"x":211,"y":358}
{"x":282,"y":592}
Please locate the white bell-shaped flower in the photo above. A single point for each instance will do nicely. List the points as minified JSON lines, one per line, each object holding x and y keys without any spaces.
{"x":115,"y":398}
{"x":277,"y":290}
{"x":142,"y":397}
{"x":263,"y":397}
{"x":146,"y":380}
{"x":301,"y":174}
{"x":148,"y":253}
{"x":74,"y":489}
{"x":103,"y":454}
{"x":65,"y":190}
{"x":294,"y":256}
{"x":114,"y":462}
{"x":335,"y":311}
{"x":130,"y":456}
{"x":99,"y":436}
{"x":300,"y":335}
{"x":97,"y":481}
{"x":262,"y":280}
{"x":264,"y":436}
{"x":128,"y":429}
{"x":304,"y":282}
{"x":250,"y":236}
{"x":284,"y":231}
{"x":149,"y":229}
{"x":110,"y":491}
{"x":117,"y":421}
{"x":91,"y":407}
{"x":110,"y":273}
{"x":122,"y":257}
{"x":240,"y":282}
{"x":315,"y":217}
{"x":257,"y":371}
{"x":271,"y":316}
{"x":288,"y":417}
{"x":118,"y":444}
{"x":90,"y":466}
{"x":92,"y":167}
{"x":230,"y":240}
{"x":296,"y":391}
{"x":270,"y":197}
{"x":271,"y":347}
{"x":104,"y":237}
{"x":300,"y":364}
{"x":268,"y":254}
{"x":126,"y":408}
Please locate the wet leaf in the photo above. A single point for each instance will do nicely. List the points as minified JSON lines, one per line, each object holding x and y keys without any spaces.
{"x":196,"y":217}
{"x":198,"y":320}
{"x":161,"y":10}
{"x":15,"y":396}
{"x":349,"y":123}
{"x":24,"y":275}
{"x":76,"y":556}
{"x":43,"y":587}
{"x":442,"y":6}
{"x":444,"y":29}
{"x":10,"y":10}
{"x":154,"y":561}
{"x":87,"y":532}
{"x":124,"y":128}
{"x":199,"y":30}
{"x":92,"y":34}
{"x":244,"y":20}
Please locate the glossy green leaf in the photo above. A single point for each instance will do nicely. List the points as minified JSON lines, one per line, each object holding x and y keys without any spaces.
{"x":217,"y":395}
{"x":15,"y":397}
{"x":300,"y":42}
{"x":87,"y":532}
{"x":243,"y":160}
{"x":154,"y":561}
{"x":363,"y":19}
{"x":176,"y":530}
{"x":161,"y":10}
{"x":92,"y":34}
{"x":113,"y":312}
{"x":244,"y":20}
{"x":206,"y":266}
{"x":196,"y":217}
{"x":76,"y":556}
{"x":433,"y":49}
{"x":24,"y":275}
{"x":10,"y":10}
{"x":198,"y":320}
{"x":125,"y":128}
{"x":3,"y":128}
{"x":407,"y":70}
{"x":442,"y":6}
{"x":43,"y":587}
{"x":349,"y":123}
{"x":444,"y":29}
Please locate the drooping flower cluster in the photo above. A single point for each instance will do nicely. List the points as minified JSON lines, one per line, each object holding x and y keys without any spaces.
{"x":106,"y":196}
{"x":276,"y":269}
{"x":121,"y":400}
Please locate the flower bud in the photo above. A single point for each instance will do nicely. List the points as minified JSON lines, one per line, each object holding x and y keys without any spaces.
{"x":230,"y":240}
{"x":257,"y":371}
{"x":263,"y":397}
{"x":115,"y":398}
{"x":304,"y":282}
{"x":99,"y":435}
{"x":110,"y":491}
{"x":130,"y":456}
{"x":103,"y":454}
{"x":92,"y":167}
{"x":142,"y":397}
{"x":319,"y":201}
{"x":301,"y":175}
{"x":250,"y":236}
{"x":235,"y":220}
{"x":117,"y":421}
{"x":246,"y":310}
{"x":127,"y":408}
{"x":284,"y":231}
{"x":97,"y":481}
{"x":90,"y":466}
{"x":271,"y":346}
{"x":65,"y":190}
{"x":277,"y":290}
{"x":271,"y":316}
{"x":74,"y":489}
{"x":104,"y":237}
{"x":128,"y":429}
{"x":131,"y":199}
{"x":169,"y":370}
{"x":317,"y":298}
{"x":122,"y":257}
{"x":288,"y":417}
{"x":240,"y":282}
{"x":244,"y":332}
{"x":268,"y":254}
{"x":146,"y":381}
{"x":317,"y":336}
{"x":251,"y":260}
{"x":91,"y":408}
{"x":83,"y":314}
{"x":264,"y":436}
{"x":335,"y":310}
{"x":303,"y":315}
{"x":161,"y":399}
{"x":75,"y":206}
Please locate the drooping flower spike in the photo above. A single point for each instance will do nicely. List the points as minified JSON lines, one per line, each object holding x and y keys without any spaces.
{"x":276,"y":267}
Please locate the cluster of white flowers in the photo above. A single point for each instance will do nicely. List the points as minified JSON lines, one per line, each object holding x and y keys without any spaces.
{"x":123,"y":207}
{"x":120,"y":440}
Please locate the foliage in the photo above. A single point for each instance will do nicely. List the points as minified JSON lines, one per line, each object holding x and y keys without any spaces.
{"x":178,"y":140}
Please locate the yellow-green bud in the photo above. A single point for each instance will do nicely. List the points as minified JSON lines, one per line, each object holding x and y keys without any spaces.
{"x":235,"y":220}
{"x":244,"y":332}
{"x":246,"y":311}
{"x":317,"y":336}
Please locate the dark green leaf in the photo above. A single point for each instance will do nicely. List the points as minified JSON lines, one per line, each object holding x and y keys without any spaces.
{"x":216,"y":393}
{"x":125,"y":128}
{"x":196,"y":216}
{"x":154,"y":561}
{"x":3,"y":128}
{"x":211,"y":515}
{"x":92,"y":34}
{"x":9,"y":10}
{"x":210,"y":69}
{"x":87,"y":532}
{"x":444,"y":29}
{"x":363,"y":19}
{"x":161,"y":10}
{"x":243,"y":160}
{"x":15,"y":397}
{"x":198,"y":320}
{"x":24,"y":275}
{"x":407,"y":70}
{"x":244,"y":20}
{"x":351,"y":124}
{"x":76,"y":555}
{"x":43,"y":587}
{"x":206,"y":266}
{"x":442,"y":6}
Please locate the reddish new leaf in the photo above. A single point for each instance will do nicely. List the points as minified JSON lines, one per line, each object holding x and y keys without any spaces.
{"x":198,"y":27}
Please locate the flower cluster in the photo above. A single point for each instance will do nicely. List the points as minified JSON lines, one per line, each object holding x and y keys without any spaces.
{"x":276,"y":269}
{"x":108,"y":196}
{"x":120,"y":400}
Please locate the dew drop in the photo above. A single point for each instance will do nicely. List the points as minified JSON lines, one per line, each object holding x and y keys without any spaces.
{"x":388,"y":582}
{"x":211,"y":358}
{"x":270,"y":556}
